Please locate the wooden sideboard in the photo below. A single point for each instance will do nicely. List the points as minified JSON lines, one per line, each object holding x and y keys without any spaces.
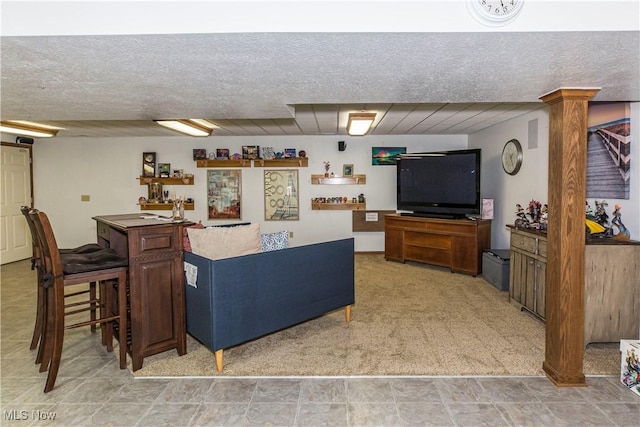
{"x":156,"y":303}
{"x":453,"y":243}
{"x":611,"y":288}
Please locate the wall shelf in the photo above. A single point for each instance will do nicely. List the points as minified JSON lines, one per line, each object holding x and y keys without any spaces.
{"x":144,"y":180}
{"x":163,"y":206}
{"x":242,"y":163}
{"x":300,"y":162}
{"x":339,"y":180}
{"x":338,"y":206}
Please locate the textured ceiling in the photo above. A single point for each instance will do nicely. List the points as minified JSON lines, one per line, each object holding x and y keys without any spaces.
{"x":306,"y":83}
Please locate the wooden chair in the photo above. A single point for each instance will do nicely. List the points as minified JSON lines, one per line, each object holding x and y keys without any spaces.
{"x":35,"y":265}
{"x":103,"y":267}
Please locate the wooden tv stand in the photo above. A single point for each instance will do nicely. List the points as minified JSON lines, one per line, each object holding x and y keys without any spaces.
{"x":453,"y":243}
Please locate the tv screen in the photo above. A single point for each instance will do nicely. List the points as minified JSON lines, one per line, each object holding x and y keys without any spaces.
{"x":439,"y":184}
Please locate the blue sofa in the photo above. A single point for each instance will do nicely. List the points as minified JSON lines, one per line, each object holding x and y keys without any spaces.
{"x":242,"y":298}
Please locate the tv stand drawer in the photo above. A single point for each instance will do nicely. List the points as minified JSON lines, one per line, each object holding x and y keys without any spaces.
{"x":428,"y":240}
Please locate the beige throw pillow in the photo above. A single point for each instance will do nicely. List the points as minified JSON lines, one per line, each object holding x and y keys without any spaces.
{"x":225,"y":242}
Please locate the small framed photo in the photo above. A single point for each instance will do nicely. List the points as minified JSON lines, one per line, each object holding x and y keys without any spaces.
{"x":164,"y":170}
{"x":177,"y":173}
{"x":289,"y":153}
{"x":250,"y":152}
{"x":199,"y":154}
{"x":149,"y":164}
{"x":347,"y":170}
{"x":222,"y":154}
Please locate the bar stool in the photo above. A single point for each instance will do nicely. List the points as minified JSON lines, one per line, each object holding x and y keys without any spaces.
{"x":35,"y":264}
{"x":103,"y":267}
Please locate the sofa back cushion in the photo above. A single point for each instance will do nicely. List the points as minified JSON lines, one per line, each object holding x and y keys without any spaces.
{"x":225,"y":242}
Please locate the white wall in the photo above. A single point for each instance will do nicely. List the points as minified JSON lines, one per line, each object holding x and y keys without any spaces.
{"x":107,"y":169}
{"x":531,"y":181}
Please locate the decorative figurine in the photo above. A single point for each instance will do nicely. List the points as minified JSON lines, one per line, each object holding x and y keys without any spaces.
{"x":623,"y":232}
{"x":602,"y":217}
{"x":534,"y":212}
{"x":521,"y":217}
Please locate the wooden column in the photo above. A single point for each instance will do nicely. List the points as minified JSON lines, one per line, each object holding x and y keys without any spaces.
{"x":566,"y":235}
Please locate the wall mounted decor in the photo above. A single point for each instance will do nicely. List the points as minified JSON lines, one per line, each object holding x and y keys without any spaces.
{"x":385,"y":156}
{"x":281,"y":198}
{"x":609,"y":150}
{"x":224,"y":194}
{"x":149,"y":164}
{"x":199,"y":154}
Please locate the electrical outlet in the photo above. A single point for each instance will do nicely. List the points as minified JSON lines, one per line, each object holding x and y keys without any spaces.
{"x":85,"y":198}
{"x":291,"y":234}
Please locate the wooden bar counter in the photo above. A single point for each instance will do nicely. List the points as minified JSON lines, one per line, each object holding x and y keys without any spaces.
{"x":156,"y":303}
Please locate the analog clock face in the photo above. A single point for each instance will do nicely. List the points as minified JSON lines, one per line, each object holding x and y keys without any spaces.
{"x":495,"y":12}
{"x":512,"y":157}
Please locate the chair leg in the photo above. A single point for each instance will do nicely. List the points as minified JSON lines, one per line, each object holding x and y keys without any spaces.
{"x":44,"y":351}
{"x":92,"y":296}
{"x":108,"y":326}
{"x":122,"y":313}
{"x":37,"y":329}
{"x":57,"y":339}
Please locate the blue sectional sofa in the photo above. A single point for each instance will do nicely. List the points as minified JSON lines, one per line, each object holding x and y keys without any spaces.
{"x":238,"y":299}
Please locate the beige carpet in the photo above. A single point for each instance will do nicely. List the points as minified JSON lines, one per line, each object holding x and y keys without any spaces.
{"x":408,"y":319}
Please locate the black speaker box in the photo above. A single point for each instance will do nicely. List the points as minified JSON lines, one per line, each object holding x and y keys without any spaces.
{"x":341,"y":146}
{"x":24,"y":140}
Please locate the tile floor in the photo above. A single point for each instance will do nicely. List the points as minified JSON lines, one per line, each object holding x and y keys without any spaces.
{"x":91,"y":390}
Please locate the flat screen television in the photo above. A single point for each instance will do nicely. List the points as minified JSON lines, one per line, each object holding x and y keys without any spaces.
{"x":440,"y":184}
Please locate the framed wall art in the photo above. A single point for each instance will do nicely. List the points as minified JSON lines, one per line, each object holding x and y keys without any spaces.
{"x":149,"y":164}
{"x":199,"y":154}
{"x":609,"y":150}
{"x":281,"y":199}
{"x":347,"y":170}
{"x":385,"y":156}
{"x":224,"y":194}
{"x":164,"y":170}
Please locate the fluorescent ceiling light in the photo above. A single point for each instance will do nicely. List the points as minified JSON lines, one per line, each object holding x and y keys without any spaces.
{"x":21,"y":127}
{"x":193,"y":127}
{"x":360,"y":123}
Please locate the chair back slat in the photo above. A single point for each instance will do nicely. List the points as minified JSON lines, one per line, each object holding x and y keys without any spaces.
{"x":48,"y":245}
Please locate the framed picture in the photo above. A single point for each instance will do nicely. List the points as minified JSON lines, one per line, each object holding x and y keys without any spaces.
{"x":289,"y":153}
{"x":149,"y":164}
{"x":347,"y":170}
{"x":199,"y":154}
{"x":224,"y":194}
{"x":250,"y":152}
{"x":177,"y":173}
{"x":164,"y":170}
{"x":281,"y":201}
{"x":385,"y":156}
{"x":222,"y":154}
{"x":268,"y":153}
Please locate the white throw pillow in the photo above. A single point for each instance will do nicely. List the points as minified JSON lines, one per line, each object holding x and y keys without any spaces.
{"x":225,"y":242}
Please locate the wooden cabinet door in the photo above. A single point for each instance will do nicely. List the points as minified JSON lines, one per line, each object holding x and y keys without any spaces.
{"x":393,"y":243}
{"x":517,"y":277}
{"x":541,"y":284}
{"x":530,"y":284}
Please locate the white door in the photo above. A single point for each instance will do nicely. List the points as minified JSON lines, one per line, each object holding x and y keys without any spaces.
{"x":15,"y":191}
